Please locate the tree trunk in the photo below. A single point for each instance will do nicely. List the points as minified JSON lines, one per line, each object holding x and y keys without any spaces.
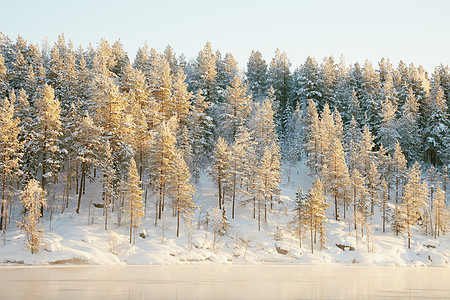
{"x":178,"y":222}
{"x":131,"y":226}
{"x":83,"y":170}
{"x":3,"y":197}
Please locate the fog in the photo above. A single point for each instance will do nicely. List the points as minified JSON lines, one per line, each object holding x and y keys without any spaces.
{"x":223,"y":282}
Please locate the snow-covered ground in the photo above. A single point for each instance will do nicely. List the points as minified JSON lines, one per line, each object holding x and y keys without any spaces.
{"x":72,"y":240}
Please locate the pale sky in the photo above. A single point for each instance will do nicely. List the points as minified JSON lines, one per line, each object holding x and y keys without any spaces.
{"x":415,"y":31}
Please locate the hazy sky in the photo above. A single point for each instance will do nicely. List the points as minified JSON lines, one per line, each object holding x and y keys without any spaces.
{"x":415,"y":31}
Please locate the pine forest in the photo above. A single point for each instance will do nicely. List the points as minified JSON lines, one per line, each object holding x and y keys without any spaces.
{"x":160,"y":158}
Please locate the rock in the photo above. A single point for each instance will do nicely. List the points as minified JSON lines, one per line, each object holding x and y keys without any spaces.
{"x":343,"y":247}
{"x":281,"y":251}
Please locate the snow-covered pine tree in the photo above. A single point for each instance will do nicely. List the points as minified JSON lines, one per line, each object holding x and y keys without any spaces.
{"x":312,"y":138}
{"x":257,"y":75}
{"x":353,"y":140}
{"x":384,"y":207}
{"x":359,"y":194}
{"x":25,"y":114}
{"x":280,"y":79}
{"x":436,"y":131}
{"x":335,"y":176}
{"x":181,"y":191}
{"x":88,"y":147}
{"x":373,"y":184}
{"x":441,"y":213}
{"x":227,"y":70}
{"x":3,"y":81}
{"x":315,"y":210}
{"x":109,"y":181}
{"x":10,"y":152}
{"x":366,"y":153}
{"x":200,"y":133}
{"x":414,"y":199}
{"x":161,"y":164}
{"x":134,"y":205}
{"x":409,"y":129}
{"x":205,"y":74}
{"x":160,"y":84}
{"x":180,"y":97}
{"x":399,"y":168}
{"x":299,"y":221}
{"x":48,"y":131}
{"x":328,"y":74}
{"x":219,"y":170}
{"x":33,"y":199}
{"x":236,"y":109}
{"x":434,"y":181}
{"x":326,"y":134}
{"x":263,"y":125}
{"x":306,"y":81}
{"x":388,"y":134}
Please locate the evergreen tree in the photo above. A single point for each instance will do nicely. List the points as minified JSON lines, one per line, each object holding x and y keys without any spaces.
{"x":353,"y":141}
{"x":263,"y":125}
{"x":257,"y":76}
{"x":414,"y":199}
{"x":281,"y":80}
{"x":180,"y":97}
{"x":335,"y":176}
{"x":306,"y":81}
{"x":161,"y":164}
{"x":33,"y":199}
{"x":87,"y":146}
{"x":328,"y":76}
{"x":436,"y":128}
{"x":384,"y":200}
{"x":300,"y":214}
{"x":388,"y":134}
{"x":373,"y":182}
{"x":409,"y":130}
{"x":359,"y":194}
{"x":133,"y":206}
{"x":399,"y":165}
{"x":440,"y":212}
{"x":205,"y":74}
{"x":48,"y":131}
{"x":237,"y":108}
{"x":200,"y":132}
{"x":3,"y":81}
{"x":315,"y":209}
{"x":312,"y":139}
{"x":219,"y":171}
{"x":10,"y":152}
{"x":109,"y":181}
{"x":181,"y":191}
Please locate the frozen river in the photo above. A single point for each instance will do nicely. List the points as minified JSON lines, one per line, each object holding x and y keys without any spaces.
{"x":223,"y":282}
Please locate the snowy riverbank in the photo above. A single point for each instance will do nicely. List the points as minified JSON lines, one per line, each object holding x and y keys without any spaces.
{"x":72,"y":240}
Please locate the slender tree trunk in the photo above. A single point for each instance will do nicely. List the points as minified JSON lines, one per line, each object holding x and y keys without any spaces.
{"x":131,"y":226}
{"x":3,"y":196}
{"x":44,"y":169}
{"x":83,"y":170}
{"x":219,"y":182}
{"x":178,"y":222}
{"x":234,"y":196}
{"x":259,"y":213}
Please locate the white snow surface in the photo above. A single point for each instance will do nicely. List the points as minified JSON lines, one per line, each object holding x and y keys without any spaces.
{"x":70,"y":240}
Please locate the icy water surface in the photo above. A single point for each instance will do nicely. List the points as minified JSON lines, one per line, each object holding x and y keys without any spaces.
{"x":224,"y":282}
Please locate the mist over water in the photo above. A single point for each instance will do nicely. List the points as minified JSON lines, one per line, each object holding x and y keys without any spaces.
{"x":224,"y":282}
